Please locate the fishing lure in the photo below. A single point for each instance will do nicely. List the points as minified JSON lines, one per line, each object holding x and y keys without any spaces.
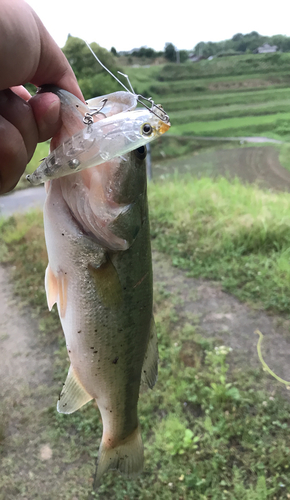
{"x":119,"y":129}
{"x":100,"y":142}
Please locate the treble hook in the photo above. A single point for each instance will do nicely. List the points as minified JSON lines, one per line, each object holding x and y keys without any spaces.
{"x":88,"y":118}
{"x":164,"y":116}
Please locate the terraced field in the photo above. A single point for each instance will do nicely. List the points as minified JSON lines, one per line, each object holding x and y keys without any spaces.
{"x":232,"y":96}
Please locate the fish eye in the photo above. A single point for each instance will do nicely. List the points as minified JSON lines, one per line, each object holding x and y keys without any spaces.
{"x":147,"y":129}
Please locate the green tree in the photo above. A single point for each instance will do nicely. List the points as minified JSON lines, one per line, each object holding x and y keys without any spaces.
{"x":92,"y":78}
{"x":237,"y":37}
{"x":170,"y":52}
{"x":183,"y":54}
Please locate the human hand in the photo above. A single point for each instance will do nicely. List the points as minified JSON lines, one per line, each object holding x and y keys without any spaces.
{"x":28,"y":54}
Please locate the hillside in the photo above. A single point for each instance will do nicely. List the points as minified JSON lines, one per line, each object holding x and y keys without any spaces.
{"x":229,"y":96}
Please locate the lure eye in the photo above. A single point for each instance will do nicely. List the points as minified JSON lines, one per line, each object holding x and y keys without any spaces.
{"x":147,"y":129}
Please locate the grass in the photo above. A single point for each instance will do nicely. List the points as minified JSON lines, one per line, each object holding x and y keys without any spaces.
{"x":229,"y":111}
{"x":228,"y":232}
{"x":284,"y":156}
{"x":245,"y":64}
{"x":273,"y":125}
{"x":40,"y":153}
{"x":209,"y":433}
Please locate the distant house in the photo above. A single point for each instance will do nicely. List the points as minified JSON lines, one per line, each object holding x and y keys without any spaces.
{"x":266,"y":49}
{"x":195,"y":58}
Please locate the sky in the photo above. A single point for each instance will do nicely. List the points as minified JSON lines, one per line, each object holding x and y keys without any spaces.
{"x":132,"y":23}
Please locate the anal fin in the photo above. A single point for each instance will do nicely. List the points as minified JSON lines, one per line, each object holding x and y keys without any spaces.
{"x":150,"y":364}
{"x":73,"y":396}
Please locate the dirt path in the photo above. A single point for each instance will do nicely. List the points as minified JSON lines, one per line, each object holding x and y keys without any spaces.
{"x":26,"y":378}
{"x":20,"y":354}
{"x":22,"y":200}
{"x":221,"y":316}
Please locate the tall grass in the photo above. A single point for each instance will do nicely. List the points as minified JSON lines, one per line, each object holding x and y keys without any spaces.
{"x":208,"y":434}
{"x":225,"y":231}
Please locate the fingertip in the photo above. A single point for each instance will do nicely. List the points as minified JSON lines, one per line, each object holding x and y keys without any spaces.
{"x":21,"y":92}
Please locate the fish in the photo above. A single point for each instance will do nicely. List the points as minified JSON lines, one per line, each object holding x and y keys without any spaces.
{"x":110,"y":128}
{"x":99,"y":274}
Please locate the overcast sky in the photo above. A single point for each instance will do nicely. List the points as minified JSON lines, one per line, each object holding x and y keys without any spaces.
{"x":134,"y":23}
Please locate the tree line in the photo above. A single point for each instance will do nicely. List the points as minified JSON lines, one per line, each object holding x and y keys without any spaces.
{"x":240,"y":43}
{"x":93,"y":80}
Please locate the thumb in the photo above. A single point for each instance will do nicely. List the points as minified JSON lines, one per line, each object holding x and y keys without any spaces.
{"x":46,"y":110}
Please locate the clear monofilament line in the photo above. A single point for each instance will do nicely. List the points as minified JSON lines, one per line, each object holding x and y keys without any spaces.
{"x":164,"y":116}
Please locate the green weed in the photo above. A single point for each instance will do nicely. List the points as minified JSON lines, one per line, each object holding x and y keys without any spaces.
{"x":40,"y":153}
{"x":208,"y":434}
{"x":273,"y":125}
{"x":284,"y":156}
{"x":228,"y":232}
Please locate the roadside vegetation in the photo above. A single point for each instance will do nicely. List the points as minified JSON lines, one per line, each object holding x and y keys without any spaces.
{"x":208,"y":433}
{"x":235,"y":234}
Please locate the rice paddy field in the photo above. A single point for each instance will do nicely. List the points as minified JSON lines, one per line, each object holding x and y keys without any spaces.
{"x":231,"y":96}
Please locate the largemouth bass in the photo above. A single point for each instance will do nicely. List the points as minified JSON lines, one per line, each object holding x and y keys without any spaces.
{"x":100,"y":275}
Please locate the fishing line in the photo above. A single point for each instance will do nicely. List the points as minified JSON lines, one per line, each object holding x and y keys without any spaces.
{"x":164,"y":116}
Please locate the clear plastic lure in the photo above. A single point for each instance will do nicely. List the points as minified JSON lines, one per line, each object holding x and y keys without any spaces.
{"x":100,"y":142}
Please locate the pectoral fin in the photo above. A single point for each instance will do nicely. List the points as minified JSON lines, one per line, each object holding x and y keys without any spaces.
{"x":51,"y":287}
{"x":150,"y":365}
{"x":73,"y":396}
{"x":56,"y":290}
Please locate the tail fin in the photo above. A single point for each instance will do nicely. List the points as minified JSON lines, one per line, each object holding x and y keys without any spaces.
{"x":127,"y":457}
